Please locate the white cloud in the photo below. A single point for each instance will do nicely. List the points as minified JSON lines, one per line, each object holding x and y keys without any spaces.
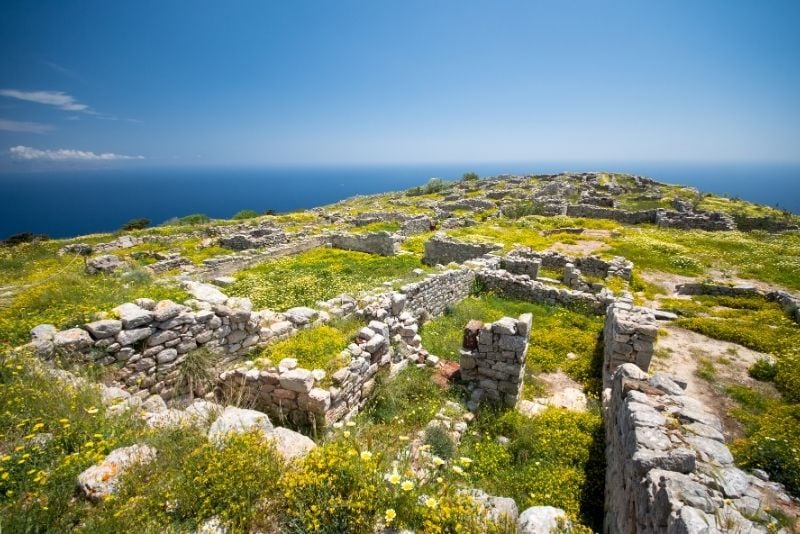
{"x":64,"y":154}
{"x":24,"y":127}
{"x":57,"y":99}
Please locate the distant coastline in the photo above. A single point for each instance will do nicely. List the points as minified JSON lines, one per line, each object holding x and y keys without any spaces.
{"x":64,"y":204}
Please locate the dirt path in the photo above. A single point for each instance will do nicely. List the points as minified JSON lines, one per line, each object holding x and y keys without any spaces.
{"x":708,"y":366}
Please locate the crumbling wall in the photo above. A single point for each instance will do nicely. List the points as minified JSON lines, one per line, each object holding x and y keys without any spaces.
{"x":381,"y":243}
{"x":667,"y":466}
{"x":521,"y":287}
{"x":493,"y":358}
{"x":259,"y":237}
{"x":438,"y":291}
{"x":614,"y":214}
{"x":629,"y":335}
{"x":441,"y":249}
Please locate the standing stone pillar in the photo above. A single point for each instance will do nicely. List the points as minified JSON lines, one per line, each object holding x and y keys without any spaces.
{"x":493,"y":357}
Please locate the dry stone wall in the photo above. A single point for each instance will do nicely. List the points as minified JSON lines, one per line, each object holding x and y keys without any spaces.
{"x":629,"y":335}
{"x":442,"y":250}
{"x":521,"y":287}
{"x":438,"y":291}
{"x":493,"y":358}
{"x":668,"y":468}
{"x":258,"y":237}
{"x":382,"y":243}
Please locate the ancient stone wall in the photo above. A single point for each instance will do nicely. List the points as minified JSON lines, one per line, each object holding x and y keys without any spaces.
{"x":258,"y":237}
{"x":788,"y":302}
{"x":521,"y":264}
{"x":589,"y":265}
{"x":699,"y":220}
{"x":304,"y":397}
{"x":438,"y":291}
{"x":668,"y":469}
{"x":767,"y":224}
{"x":493,"y":358}
{"x":382,"y":243}
{"x":149,"y":340}
{"x":441,"y":249}
{"x":619,"y":215}
{"x":706,"y":288}
{"x":417,"y":225}
{"x":521,"y":287}
{"x":241,"y":260}
{"x":629,"y":334}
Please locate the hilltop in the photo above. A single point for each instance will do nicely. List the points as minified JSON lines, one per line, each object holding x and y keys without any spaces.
{"x":503,"y":354}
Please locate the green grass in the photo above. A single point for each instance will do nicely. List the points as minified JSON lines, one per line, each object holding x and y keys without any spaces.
{"x":556,"y":332}
{"x":320,"y":274}
{"x":773,"y":258}
{"x":57,"y":291}
{"x":316,"y":348}
{"x":378,"y":226}
{"x":555,"y":458}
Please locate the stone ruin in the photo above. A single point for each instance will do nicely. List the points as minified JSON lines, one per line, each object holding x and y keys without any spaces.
{"x":493,"y":359}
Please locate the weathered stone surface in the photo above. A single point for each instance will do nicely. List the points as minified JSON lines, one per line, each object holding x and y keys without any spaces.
{"x":129,"y":337}
{"x":100,"y":481}
{"x":299,"y":380}
{"x":165,"y":310}
{"x":132,"y":316}
{"x":74,"y":339}
{"x":291,"y":445}
{"x":205,"y":292}
{"x":237,"y":421}
{"x":105,"y":264}
{"x":542,"y":520}
{"x":104,"y":328}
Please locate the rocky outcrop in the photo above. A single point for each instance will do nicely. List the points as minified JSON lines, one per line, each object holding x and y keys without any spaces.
{"x":101,"y":480}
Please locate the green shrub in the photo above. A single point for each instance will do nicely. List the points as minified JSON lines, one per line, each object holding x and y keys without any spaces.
{"x":773,"y":445}
{"x":244,"y":214}
{"x":555,"y":458}
{"x":470,"y":177}
{"x":764,"y":370}
{"x":135,"y":224}
{"x":440,"y":442}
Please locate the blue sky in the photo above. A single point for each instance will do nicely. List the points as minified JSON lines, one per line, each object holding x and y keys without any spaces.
{"x":263,"y":83}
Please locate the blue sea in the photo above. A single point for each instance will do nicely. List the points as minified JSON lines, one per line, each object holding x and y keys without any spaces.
{"x":63,"y":204}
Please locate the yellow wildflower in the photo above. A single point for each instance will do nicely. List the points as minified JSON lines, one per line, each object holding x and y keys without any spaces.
{"x":407,"y":485}
{"x":390,"y":515}
{"x":366,"y":456}
{"x":430,"y":502}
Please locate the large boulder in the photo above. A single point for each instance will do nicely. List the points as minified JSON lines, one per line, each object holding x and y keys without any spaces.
{"x":105,"y":264}
{"x":290,"y":444}
{"x":238,"y":421}
{"x":205,"y":292}
{"x":101,"y":480}
{"x":542,"y":520}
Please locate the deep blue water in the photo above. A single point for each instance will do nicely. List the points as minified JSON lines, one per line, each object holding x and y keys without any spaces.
{"x":63,"y":204}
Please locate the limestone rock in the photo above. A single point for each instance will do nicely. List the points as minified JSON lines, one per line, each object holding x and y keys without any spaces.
{"x":101,"y":480}
{"x":74,"y":339}
{"x":133,"y":316}
{"x":542,"y":520}
{"x":103,"y":329}
{"x":105,"y":264}
{"x":290,"y":444}
{"x":237,"y":421}
{"x":205,"y":292}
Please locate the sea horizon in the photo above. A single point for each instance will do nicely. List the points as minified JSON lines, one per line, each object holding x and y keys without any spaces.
{"x":67,"y":203}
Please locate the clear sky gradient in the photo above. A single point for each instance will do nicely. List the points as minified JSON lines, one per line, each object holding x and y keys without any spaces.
{"x":265,"y":83}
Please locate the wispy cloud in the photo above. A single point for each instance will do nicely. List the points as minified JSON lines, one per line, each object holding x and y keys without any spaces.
{"x":64,"y":70}
{"x":58,"y":99}
{"x":24,"y":127}
{"x":64,"y":154}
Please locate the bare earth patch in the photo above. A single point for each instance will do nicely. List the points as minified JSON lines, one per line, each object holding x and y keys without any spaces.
{"x":682,"y":353}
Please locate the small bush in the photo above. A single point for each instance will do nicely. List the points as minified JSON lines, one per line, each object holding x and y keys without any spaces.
{"x":193,"y":219}
{"x":764,"y":370}
{"x":470,"y":177}
{"x":25,"y":237}
{"x":440,"y":442}
{"x":135,"y":224}
{"x":244,"y":214}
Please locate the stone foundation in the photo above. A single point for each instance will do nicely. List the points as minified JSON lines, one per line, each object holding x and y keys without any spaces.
{"x":629,"y":336}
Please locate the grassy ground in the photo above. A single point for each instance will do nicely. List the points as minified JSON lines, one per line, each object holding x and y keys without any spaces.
{"x":556,"y":332}
{"x":556,"y":459}
{"x":771,"y":422}
{"x":320,"y":274}
{"x":56,"y":290}
{"x":773,"y":258}
{"x":316,"y":348}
